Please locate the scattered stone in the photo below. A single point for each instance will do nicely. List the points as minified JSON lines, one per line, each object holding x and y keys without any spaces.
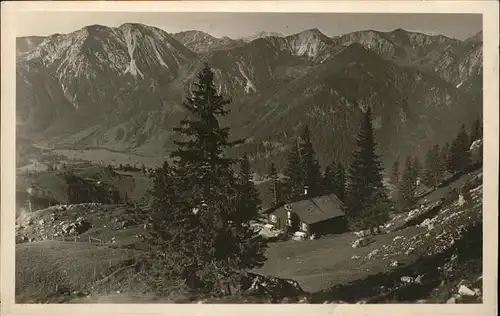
{"x":406,"y":279}
{"x":271,"y":286}
{"x":451,"y":300}
{"x":355,"y":257}
{"x":362,"y":242}
{"x":397,"y":238}
{"x":410,"y":250}
{"x":373,"y":253}
{"x":465,"y":291}
{"x":461,"y":200}
{"x":286,"y":300}
{"x":394,"y":264}
{"x":303,"y":300}
{"x":418,"y":279}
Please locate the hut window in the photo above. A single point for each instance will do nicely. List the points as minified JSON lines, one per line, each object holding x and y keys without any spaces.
{"x":273,"y":218}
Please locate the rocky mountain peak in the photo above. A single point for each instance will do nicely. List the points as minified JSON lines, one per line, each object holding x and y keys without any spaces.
{"x":201,"y":42}
{"x":262,"y":34}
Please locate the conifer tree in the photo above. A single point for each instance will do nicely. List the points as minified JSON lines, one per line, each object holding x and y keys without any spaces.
{"x":444,"y":154}
{"x":416,"y":168}
{"x":432,"y":174}
{"x":248,"y":194}
{"x":205,"y":232}
{"x":329,"y":178}
{"x":276,"y":187}
{"x":407,"y":187}
{"x":293,"y":173}
{"x":395,"y":172}
{"x":459,"y":156}
{"x":340,"y":182}
{"x":366,"y":192}
{"x":476,"y":131}
{"x":334,"y":180}
{"x":310,"y":167}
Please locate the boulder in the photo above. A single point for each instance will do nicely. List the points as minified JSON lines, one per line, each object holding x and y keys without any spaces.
{"x":362,"y":242}
{"x":451,"y":300}
{"x":373,"y":253}
{"x":465,"y":291}
{"x":277,"y":288}
{"x":407,"y":279}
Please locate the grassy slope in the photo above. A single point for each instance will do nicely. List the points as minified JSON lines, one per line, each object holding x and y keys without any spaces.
{"x":104,"y":219}
{"x":320,"y":264}
{"x":316,"y":264}
{"x":45,"y":269}
{"x":323,"y":263}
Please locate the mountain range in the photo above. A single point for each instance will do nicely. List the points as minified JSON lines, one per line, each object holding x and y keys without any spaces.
{"x":122,"y":88}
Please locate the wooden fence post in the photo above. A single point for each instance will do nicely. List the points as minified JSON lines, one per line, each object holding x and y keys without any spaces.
{"x":75,"y":238}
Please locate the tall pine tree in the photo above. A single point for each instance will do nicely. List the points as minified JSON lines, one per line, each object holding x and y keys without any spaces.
{"x":459,"y":156}
{"x":340,"y":182}
{"x":367,"y":202}
{"x":248,"y":194}
{"x":205,"y":229}
{"x":293,"y":173}
{"x":275,"y":189}
{"x":432,"y":167}
{"x":407,"y":187}
{"x":395,"y":172}
{"x":310,"y":167}
{"x":334,"y":180}
{"x":444,"y":154}
{"x":329,"y":178}
{"x":476,"y":131}
{"x":416,"y":167}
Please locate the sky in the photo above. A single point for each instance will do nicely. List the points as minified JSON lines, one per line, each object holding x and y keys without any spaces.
{"x":237,"y":25}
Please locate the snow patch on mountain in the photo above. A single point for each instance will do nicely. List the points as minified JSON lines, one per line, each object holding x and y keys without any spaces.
{"x":249,"y":84}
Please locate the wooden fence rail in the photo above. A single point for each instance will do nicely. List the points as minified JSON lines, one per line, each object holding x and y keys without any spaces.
{"x":89,"y":239}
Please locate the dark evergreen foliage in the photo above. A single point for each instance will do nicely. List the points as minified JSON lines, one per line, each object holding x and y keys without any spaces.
{"x":395,"y":176}
{"x":334,"y":180}
{"x":367,"y":201}
{"x":276,"y":185}
{"x":293,"y":174}
{"x":249,"y":199}
{"x":201,"y":219}
{"x":433,"y":171}
{"x":311,"y":173}
{"x":407,"y":187}
{"x":459,"y":155}
{"x":476,"y":131}
{"x":416,"y":168}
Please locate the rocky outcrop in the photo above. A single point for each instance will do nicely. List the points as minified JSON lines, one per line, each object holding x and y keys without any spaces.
{"x":272,"y":287}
